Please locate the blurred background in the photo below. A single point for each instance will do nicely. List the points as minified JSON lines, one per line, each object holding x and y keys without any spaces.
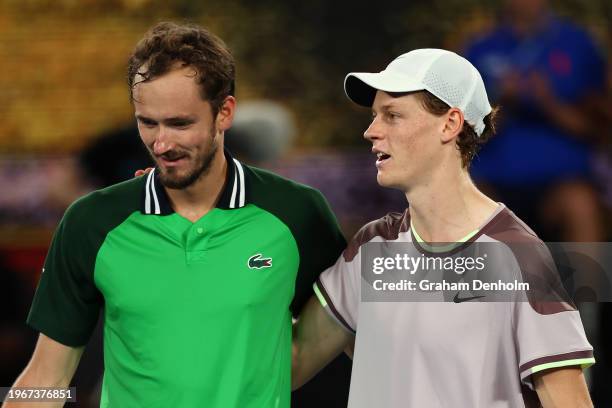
{"x":67,"y":127}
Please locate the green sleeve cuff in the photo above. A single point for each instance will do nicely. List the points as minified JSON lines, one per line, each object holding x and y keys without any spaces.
{"x":319,"y":295}
{"x":582,"y":362}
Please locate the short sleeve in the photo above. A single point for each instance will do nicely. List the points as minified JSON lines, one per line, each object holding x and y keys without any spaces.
{"x":338,"y":290}
{"x":548,"y":329}
{"x":550,"y":341}
{"x":67,"y":303}
{"x":320,"y":242}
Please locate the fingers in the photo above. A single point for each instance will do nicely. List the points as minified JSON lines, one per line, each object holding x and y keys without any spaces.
{"x":139,"y":173}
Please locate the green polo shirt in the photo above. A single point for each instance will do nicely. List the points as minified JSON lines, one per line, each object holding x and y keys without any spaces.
{"x":195,"y":314}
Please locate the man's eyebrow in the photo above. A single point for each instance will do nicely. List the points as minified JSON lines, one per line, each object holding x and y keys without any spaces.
{"x":144,"y":118}
{"x":389,"y":106}
{"x":386,"y":107}
{"x":173,"y":119}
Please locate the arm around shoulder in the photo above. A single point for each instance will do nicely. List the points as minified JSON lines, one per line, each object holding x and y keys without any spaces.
{"x":317,"y":340}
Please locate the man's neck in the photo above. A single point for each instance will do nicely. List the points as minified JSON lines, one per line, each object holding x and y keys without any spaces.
{"x":448,"y":209}
{"x":202,"y":196}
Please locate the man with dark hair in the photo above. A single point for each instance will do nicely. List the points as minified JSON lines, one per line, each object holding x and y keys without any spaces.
{"x":430,"y":114}
{"x":199,"y":265}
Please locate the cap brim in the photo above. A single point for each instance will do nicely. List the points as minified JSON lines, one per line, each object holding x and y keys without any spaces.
{"x":361,"y":87}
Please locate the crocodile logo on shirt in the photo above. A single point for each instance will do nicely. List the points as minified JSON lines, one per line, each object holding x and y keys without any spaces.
{"x":257,"y":262}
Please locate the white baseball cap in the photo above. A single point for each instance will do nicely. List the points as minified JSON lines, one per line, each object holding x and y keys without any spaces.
{"x":448,"y":76}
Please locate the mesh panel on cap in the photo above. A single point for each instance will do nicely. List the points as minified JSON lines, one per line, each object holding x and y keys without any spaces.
{"x":480,"y":100}
{"x":478,"y":105}
{"x":454,"y":80}
{"x":443,"y":89}
{"x":472,"y":115}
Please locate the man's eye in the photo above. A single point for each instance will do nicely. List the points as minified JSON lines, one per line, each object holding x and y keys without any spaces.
{"x":180,"y":124}
{"x":147,"y":123}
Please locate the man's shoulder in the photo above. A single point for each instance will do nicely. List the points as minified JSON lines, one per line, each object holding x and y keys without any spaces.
{"x":262,"y":178}
{"x":507,"y":227}
{"x":388,"y":228}
{"x":267,"y":186}
{"x":302,"y":208}
{"x":114,"y":201}
{"x":535,"y":261}
{"x":518,"y":241}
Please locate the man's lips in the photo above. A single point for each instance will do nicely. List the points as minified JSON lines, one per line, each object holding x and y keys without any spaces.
{"x":171,"y":161}
{"x":381,"y":158}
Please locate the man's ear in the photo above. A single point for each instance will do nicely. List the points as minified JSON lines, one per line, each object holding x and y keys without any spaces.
{"x":225,"y":116}
{"x":453,"y":125}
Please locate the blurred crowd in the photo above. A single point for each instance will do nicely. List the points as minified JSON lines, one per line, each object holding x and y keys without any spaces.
{"x":551,"y":163}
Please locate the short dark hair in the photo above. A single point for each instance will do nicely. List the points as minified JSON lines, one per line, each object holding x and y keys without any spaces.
{"x":468,"y":142}
{"x":167,"y":43}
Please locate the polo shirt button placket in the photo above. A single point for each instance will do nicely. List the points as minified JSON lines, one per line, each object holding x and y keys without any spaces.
{"x":195,"y":245}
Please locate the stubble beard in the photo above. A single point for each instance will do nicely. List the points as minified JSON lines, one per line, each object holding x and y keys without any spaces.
{"x":201,"y":166}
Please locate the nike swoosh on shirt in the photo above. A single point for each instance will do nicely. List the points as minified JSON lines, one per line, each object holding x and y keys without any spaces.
{"x":457,"y":299}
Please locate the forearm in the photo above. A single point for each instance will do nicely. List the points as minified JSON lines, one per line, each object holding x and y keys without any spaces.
{"x":561,"y":388}
{"x":305,"y":361}
{"x":52,"y":365}
{"x":37,"y":375}
{"x":309,"y":358}
{"x":350,"y":350}
{"x":33,"y":378}
{"x":317,"y":340}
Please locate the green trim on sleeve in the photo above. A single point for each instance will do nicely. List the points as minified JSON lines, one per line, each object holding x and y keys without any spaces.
{"x":582,"y":362}
{"x":319,"y":295}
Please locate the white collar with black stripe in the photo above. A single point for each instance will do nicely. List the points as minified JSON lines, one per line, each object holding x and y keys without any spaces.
{"x":155,"y":200}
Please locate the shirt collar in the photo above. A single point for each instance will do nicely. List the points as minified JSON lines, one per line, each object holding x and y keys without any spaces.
{"x":155,"y":200}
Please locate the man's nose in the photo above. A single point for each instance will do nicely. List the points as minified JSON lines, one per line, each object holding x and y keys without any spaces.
{"x":374,"y":131}
{"x":162,"y":141}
